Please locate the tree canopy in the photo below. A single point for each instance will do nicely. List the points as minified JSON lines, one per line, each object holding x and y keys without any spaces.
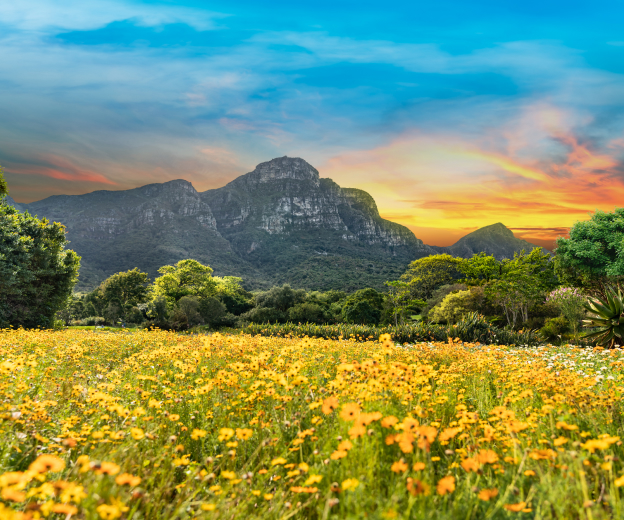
{"x":4,"y":188}
{"x":37,"y":273}
{"x":594,"y":252}
{"x":427,"y":274}
{"x":186,"y":278}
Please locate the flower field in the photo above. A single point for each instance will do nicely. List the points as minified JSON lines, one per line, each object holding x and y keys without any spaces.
{"x":154,"y":425}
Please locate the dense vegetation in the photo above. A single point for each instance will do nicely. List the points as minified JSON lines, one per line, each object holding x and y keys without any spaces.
{"x":156,"y":425}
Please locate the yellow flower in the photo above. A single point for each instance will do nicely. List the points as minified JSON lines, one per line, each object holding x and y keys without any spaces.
{"x":244,"y":433}
{"x":197,"y":434}
{"x":313,"y":479}
{"x":619,"y":482}
{"x":349,"y":484}
{"x":208,"y":507}
{"x":278,"y":461}
{"x":268,"y":496}
{"x":45,"y":463}
{"x":225,"y":434}
{"x":137,"y":433}
{"x":112,"y":511}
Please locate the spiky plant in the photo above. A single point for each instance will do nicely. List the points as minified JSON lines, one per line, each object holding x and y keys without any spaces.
{"x":607,"y":316}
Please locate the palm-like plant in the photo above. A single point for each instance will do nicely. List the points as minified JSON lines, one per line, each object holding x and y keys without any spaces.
{"x":607,"y":316}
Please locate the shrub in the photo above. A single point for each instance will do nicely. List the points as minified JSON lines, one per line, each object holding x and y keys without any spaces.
{"x":306,"y":313}
{"x":554,"y":327}
{"x":93,"y":320}
{"x":212,"y":311}
{"x":452,"y":308}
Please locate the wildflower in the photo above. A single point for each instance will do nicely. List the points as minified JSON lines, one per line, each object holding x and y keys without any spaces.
{"x":197,"y":434}
{"x":619,"y":482}
{"x":350,"y":411}
{"x":45,"y":463}
{"x":208,"y":507}
{"x":13,"y":495}
{"x":329,"y":405}
{"x":399,"y":466}
{"x":350,"y":483}
{"x":106,"y":468}
{"x":418,"y":466}
{"x":113,"y":510}
{"x":487,"y":494}
{"x":268,"y":496}
{"x":345,"y":445}
{"x":126,"y":479}
{"x":560,"y":441}
{"x":416,"y":487}
{"x":338,"y":454}
{"x":225,"y":434}
{"x":229,"y":475}
{"x":64,"y":509}
{"x":278,"y":461}
{"x":313,"y":479}
{"x":389,"y":422}
{"x":470,"y":464}
{"x":137,"y":433}
{"x":529,"y":473}
{"x":487,"y":457}
{"x":244,"y":433}
{"x":515,"y":508}
{"x":446,"y":485}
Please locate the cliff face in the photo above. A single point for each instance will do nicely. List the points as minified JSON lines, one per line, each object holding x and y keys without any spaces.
{"x":279,"y":223}
{"x":285,"y":196}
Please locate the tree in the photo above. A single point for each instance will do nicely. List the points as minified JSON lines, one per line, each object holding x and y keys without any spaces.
{"x":129,"y":287}
{"x":189,"y":305}
{"x":399,"y":299}
{"x":281,"y":298}
{"x":37,"y":273}
{"x":4,"y":188}
{"x":212,"y":311}
{"x":481,"y":268}
{"x":186,"y":278}
{"x":452,"y":308}
{"x":307,"y":312}
{"x":427,"y":274}
{"x":363,"y":307}
{"x":593,"y":256}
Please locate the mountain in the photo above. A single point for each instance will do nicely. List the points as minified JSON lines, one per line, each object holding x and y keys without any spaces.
{"x":280,"y":223}
{"x":496,"y":240}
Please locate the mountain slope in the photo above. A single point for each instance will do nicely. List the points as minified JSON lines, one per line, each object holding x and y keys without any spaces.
{"x":279,"y":223}
{"x":496,"y":240}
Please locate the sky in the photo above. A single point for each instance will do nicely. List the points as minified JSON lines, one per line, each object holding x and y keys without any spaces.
{"x":453,"y":115}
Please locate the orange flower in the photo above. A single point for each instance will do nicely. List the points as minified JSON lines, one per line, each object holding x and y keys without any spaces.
{"x":399,"y":467}
{"x":350,"y":411}
{"x":389,"y":422}
{"x":329,"y":405}
{"x":357,"y":431}
{"x":45,"y":463}
{"x":416,"y":487}
{"x":345,"y":446}
{"x":106,"y":468}
{"x":471,"y":465}
{"x":418,"y":466}
{"x":338,"y":454}
{"x":487,"y":457}
{"x":13,"y":495}
{"x":448,"y":434}
{"x":487,"y":494}
{"x":64,"y":509}
{"x":446,"y":485}
{"x":125,"y":479}
{"x":516,"y":508}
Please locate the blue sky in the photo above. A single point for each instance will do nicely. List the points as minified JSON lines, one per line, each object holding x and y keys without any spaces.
{"x":387,"y":97}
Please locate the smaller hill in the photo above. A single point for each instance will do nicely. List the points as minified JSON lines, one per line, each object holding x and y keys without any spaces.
{"x":497,"y":240}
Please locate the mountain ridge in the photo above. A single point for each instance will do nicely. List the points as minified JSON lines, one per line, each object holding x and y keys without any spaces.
{"x":280,"y":223}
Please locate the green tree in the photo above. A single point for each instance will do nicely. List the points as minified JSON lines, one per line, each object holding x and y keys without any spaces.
{"x":212,"y":311}
{"x":4,"y":188}
{"x":363,"y":307}
{"x":593,"y":255}
{"x":130,"y":287}
{"x":481,"y":268}
{"x":426,"y":274}
{"x":37,"y":273}
{"x":189,"y":306}
{"x":281,"y":298}
{"x":399,"y":299}
{"x":306,"y":312}
{"x":452,"y":308}
{"x":186,"y":278}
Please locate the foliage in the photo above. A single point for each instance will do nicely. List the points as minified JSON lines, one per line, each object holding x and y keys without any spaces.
{"x":4,"y":188}
{"x":440,"y":293}
{"x":129,"y":288}
{"x":481,"y":268}
{"x":473,"y":328}
{"x":571,"y":302}
{"x":554,"y":327}
{"x":307,"y":313}
{"x":281,"y":298}
{"x":452,"y":308}
{"x":594,"y":251}
{"x":186,"y":278}
{"x":363,"y":307}
{"x":427,"y":274}
{"x":524,"y":280}
{"x":607,"y":316}
{"x":37,"y":273}
{"x":400,"y":302}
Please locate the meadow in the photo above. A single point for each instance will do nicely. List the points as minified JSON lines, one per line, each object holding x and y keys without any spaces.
{"x":156,"y":425}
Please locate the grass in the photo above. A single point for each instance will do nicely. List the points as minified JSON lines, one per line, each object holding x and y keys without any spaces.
{"x":154,"y":425}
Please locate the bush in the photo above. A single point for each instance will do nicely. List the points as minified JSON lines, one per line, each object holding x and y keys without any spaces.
{"x":212,"y":311}
{"x":93,"y":320}
{"x":135,"y":315}
{"x":452,"y":308}
{"x":554,"y":327}
{"x":264,"y":315}
{"x":306,"y":313}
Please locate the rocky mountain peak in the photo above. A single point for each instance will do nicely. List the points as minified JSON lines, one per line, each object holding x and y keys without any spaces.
{"x":278,"y":169}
